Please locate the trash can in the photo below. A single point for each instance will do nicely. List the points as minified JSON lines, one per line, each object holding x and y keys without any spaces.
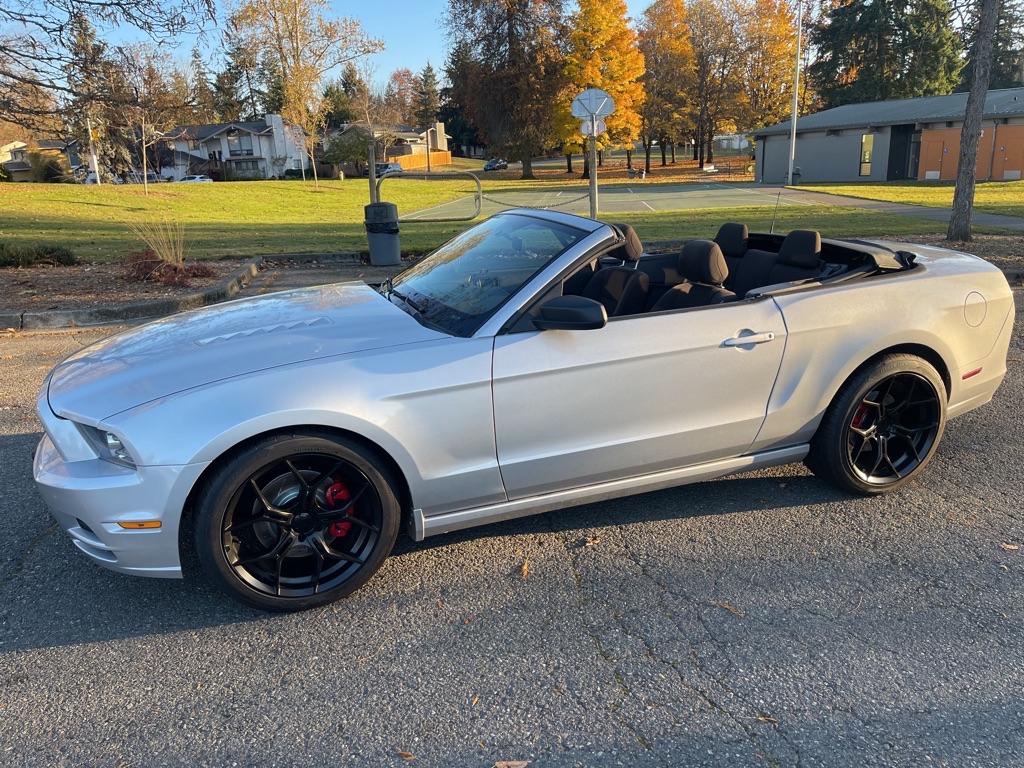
{"x":382,"y":234}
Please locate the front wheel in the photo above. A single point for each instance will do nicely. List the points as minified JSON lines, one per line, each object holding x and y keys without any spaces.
{"x":296,"y":521}
{"x":883,"y":427}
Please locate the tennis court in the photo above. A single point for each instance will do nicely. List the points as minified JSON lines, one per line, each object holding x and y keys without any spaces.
{"x":617,"y":198}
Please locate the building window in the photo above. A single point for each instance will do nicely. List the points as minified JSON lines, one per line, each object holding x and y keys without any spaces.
{"x":246,"y":165}
{"x":240,"y":145}
{"x":867,"y":146}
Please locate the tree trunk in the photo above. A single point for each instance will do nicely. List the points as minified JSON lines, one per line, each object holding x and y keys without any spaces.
{"x":600,"y":158}
{"x":696,"y":141}
{"x":568,"y":162}
{"x":629,"y":159}
{"x":312,"y":161}
{"x":664,"y":149}
{"x":673,"y":146}
{"x":963,"y":196}
{"x":711,"y":147}
{"x":527,"y":168}
{"x":586,"y":164}
{"x":647,"y":157}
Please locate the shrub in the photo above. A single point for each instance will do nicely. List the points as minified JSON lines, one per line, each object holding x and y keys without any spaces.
{"x":12,"y":255}
{"x":293,"y":173}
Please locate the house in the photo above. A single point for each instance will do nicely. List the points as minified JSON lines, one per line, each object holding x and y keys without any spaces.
{"x":247,"y":149}
{"x":407,"y":146}
{"x":19,"y":166}
{"x":896,"y":139}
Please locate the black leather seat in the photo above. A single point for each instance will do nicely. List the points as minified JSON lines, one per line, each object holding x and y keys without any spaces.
{"x":622,"y":290}
{"x":732,"y":239}
{"x":704,"y":269}
{"x":799,"y":258}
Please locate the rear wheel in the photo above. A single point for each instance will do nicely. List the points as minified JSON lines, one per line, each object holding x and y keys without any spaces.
{"x":296,"y":521}
{"x":883,"y":427}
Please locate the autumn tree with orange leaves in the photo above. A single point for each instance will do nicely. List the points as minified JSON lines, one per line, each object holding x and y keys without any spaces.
{"x":603,"y":53}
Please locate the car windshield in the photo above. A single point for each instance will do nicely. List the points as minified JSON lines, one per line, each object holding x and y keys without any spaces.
{"x":462,"y":283}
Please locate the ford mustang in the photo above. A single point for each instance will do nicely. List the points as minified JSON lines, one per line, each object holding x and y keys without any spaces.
{"x":537,"y":360}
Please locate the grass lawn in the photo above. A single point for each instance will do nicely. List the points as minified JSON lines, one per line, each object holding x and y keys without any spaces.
{"x":276,"y":217}
{"x":1006,"y":197}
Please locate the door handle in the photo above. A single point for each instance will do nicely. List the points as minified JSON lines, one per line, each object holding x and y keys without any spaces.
{"x":752,"y":338}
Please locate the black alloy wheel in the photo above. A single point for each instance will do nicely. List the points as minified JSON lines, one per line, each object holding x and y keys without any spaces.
{"x":297,"y":521}
{"x":883,"y":426}
{"x":894,"y":428}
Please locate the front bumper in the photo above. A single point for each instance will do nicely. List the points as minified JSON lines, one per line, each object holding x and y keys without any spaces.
{"x":90,"y":496}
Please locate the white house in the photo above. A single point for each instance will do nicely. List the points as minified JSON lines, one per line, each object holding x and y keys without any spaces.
{"x":248,"y":149}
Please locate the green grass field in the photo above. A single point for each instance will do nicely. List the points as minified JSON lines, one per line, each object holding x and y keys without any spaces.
{"x":1006,"y":197}
{"x":244,"y":219}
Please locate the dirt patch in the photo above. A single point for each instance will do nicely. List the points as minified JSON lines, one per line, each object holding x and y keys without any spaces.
{"x":37,"y":289}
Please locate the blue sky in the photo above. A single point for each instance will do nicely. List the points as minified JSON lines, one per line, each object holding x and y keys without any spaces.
{"x":413,"y":31}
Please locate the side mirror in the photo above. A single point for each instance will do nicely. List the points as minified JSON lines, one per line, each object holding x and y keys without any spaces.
{"x":571,"y":313}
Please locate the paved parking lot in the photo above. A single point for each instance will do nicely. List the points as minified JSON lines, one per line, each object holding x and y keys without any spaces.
{"x":760,"y":620}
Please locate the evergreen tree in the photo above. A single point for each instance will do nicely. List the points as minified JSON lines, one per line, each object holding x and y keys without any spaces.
{"x":1007,"y":46}
{"x":871,"y":50}
{"x":203,"y":100}
{"x":514,"y":49}
{"x":339,"y":107}
{"x":426,"y":100}
{"x":453,"y":112}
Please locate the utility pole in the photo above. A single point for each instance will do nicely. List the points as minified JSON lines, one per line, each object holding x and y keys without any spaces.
{"x":796,"y":94}
{"x":93,"y":162}
{"x":428,"y":150}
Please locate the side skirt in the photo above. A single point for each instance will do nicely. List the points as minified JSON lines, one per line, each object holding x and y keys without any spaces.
{"x":509,"y":510}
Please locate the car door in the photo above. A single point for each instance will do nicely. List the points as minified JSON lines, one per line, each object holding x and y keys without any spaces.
{"x":643,"y":394}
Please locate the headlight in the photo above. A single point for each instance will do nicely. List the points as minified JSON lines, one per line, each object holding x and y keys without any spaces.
{"x":107,"y":445}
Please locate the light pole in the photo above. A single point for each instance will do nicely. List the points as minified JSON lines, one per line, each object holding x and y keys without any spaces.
{"x":796,"y":93}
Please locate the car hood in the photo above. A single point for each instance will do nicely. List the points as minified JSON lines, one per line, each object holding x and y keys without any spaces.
{"x":214,"y":343}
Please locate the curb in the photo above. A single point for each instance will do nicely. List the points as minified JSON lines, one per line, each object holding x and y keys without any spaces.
{"x":136,"y":310}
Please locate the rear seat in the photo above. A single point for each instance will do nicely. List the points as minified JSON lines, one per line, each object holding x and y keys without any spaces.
{"x":799,"y":258}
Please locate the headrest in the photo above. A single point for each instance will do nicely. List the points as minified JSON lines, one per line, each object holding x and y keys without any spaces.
{"x":801,"y":248}
{"x":632,"y":249}
{"x":732,"y":239}
{"x":702,"y":262}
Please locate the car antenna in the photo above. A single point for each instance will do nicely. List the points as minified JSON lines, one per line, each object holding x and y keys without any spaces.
{"x":778,"y":199}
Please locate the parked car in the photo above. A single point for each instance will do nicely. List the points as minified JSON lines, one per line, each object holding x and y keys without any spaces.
{"x":536,"y":361}
{"x":496,"y":164}
{"x":200,"y":179}
{"x":382,"y":168}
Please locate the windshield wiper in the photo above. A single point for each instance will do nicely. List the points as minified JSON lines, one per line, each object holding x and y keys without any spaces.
{"x":411,"y":302}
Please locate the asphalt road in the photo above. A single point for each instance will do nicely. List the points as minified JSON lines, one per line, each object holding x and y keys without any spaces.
{"x":760,"y":620}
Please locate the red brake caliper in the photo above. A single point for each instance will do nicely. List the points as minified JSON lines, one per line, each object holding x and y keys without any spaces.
{"x":338,"y":495}
{"x":860,"y":417}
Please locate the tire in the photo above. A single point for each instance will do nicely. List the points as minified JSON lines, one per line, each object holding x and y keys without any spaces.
{"x":882,"y":428}
{"x":295,"y":521}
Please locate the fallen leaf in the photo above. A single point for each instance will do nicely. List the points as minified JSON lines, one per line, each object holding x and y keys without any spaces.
{"x":592,"y":541}
{"x":763,"y":718}
{"x":512,"y":764}
{"x":469,"y":618}
{"x":525,"y":570}
{"x":475,"y":700}
{"x":407,"y":756}
{"x":1008,"y":547}
{"x":730,"y":608}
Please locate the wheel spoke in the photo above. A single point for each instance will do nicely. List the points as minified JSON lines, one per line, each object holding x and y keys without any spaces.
{"x":298,"y":475}
{"x":327,"y":473}
{"x":282,"y":546}
{"x":278,"y":514}
{"x":326,"y":551}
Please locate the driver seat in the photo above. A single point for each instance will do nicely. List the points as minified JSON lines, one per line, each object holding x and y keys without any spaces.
{"x":622,"y":290}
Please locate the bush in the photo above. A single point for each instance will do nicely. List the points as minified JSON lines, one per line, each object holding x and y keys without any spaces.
{"x":293,"y":173}
{"x":12,"y":255}
{"x":145,"y":266}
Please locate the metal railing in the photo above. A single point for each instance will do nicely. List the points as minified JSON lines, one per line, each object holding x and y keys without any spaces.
{"x":477,"y":197}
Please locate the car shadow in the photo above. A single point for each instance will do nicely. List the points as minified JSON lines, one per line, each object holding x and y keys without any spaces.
{"x":50,"y":595}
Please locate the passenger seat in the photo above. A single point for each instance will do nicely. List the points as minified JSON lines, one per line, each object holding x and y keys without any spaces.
{"x":622,"y":290}
{"x":704,"y":269}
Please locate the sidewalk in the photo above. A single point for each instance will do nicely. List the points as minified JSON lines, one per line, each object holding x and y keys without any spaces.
{"x":979,"y":218}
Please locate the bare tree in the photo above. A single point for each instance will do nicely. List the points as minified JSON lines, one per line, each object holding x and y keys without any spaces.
{"x":970,"y":134}
{"x":36,"y":45}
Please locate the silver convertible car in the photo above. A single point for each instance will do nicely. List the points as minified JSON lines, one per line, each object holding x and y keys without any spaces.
{"x":536,"y":361}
